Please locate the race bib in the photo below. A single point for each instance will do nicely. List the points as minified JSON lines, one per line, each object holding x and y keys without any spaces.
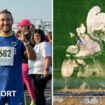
{"x":6,"y":56}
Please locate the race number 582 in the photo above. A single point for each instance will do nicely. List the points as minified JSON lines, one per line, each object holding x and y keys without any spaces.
{"x":5,"y":53}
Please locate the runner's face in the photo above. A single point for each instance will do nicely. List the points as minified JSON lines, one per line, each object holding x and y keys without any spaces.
{"x":37,"y":38}
{"x":5,"y":23}
{"x":23,"y":29}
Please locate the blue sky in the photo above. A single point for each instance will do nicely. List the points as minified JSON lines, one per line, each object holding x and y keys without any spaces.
{"x":29,"y":9}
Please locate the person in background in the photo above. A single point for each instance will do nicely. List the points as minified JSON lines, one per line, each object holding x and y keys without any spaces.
{"x":49,"y":35}
{"x":40,"y":70}
{"x":11,"y":50}
{"x":32,"y":28}
{"x":24,"y":27}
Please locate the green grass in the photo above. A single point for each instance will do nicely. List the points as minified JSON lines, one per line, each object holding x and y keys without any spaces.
{"x":93,"y":83}
{"x":68,"y":15}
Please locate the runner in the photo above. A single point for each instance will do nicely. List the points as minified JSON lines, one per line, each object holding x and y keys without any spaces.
{"x":11,"y":51}
{"x":24,"y":27}
{"x":40,"y":69}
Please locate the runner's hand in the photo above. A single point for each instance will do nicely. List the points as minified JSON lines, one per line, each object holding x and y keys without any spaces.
{"x":45,"y":74}
{"x":20,"y":36}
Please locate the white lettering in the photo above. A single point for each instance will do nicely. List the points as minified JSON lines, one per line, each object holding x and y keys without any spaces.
{"x":7,"y":93}
{"x":3,"y":93}
{"x":14,"y":92}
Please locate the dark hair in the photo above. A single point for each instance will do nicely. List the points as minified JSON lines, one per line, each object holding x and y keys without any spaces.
{"x":6,"y":12}
{"x":42,"y":34}
{"x":32,"y":28}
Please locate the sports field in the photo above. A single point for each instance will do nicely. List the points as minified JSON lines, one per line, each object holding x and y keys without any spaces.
{"x":68,"y":15}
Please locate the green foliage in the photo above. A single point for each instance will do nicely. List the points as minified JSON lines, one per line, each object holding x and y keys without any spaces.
{"x":68,"y":15}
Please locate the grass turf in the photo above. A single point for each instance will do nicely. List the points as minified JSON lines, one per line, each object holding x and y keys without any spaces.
{"x":68,"y":14}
